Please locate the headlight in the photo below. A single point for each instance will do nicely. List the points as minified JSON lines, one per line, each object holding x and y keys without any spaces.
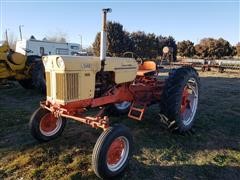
{"x":60,"y":62}
{"x":45,"y":61}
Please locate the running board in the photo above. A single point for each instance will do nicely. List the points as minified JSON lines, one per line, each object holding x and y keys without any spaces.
{"x":137,"y":110}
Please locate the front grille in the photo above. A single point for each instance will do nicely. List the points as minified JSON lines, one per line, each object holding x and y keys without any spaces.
{"x":48,"y":83}
{"x":60,"y":86}
{"x":72,"y":86}
{"x":67,"y":86}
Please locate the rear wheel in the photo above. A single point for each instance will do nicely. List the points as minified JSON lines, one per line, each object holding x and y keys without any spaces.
{"x":38,"y":73}
{"x":45,"y":126}
{"x":112,"y":151}
{"x":180,"y":99}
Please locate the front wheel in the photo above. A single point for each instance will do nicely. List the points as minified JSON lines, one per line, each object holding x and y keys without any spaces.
{"x":112,"y":152}
{"x":45,"y":126}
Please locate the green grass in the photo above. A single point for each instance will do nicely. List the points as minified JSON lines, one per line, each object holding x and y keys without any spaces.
{"x":211,"y":152}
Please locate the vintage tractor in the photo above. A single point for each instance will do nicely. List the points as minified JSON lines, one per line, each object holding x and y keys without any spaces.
{"x":115,"y":86}
{"x":27,"y":70}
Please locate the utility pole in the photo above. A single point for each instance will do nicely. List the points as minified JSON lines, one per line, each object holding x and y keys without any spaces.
{"x":20,"y":31}
{"x":80,"y":41}
{"x":6,"y":33}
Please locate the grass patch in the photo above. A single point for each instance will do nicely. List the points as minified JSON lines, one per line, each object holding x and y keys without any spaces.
{"x":212,"y":151}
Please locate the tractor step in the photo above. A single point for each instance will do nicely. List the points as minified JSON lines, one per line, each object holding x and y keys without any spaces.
{"x":137,"y":110}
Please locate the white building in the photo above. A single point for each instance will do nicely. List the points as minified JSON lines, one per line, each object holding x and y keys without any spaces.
{"x":40,"y":48}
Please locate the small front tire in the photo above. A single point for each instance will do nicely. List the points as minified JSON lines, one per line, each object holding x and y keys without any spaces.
{"x":112,"y":152}
{"x":44,"y":126}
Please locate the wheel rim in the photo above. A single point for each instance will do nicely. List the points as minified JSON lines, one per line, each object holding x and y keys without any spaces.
{"x":117,"y":153}
{"x":50,"y":125}
{"x":189,"y":101}
{"x":123,"y":105}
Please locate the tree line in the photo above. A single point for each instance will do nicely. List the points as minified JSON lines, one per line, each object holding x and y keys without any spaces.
{"x":141,"y":44}
{"x":150,"y":45}
{"x":208,"y":48}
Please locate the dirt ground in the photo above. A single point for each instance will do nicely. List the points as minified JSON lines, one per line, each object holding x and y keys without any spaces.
{"x":211,"y":152}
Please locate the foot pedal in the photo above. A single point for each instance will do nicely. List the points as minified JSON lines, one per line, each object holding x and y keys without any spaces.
{"x":136,"y":111}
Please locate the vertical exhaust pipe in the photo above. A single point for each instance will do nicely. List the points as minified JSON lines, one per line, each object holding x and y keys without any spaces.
{"x":103,"y":44}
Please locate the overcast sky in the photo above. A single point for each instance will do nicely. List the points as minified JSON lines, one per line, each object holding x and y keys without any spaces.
{"x":182,"y":19}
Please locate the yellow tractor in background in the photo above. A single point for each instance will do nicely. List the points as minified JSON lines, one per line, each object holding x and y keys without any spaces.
{"x":27,"y":70}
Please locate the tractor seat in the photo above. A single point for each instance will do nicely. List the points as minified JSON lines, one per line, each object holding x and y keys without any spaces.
{"x":147,"y":68}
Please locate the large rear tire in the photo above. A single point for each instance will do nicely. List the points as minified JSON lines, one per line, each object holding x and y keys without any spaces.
{"x":180,"y":99}
{"x":44,"y":126}
{"x":37,"y":73}
{"x":112,"y":152}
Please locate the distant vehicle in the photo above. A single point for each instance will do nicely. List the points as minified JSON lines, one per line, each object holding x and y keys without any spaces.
{"x":42,"y":48}
{"x":81,"y":53}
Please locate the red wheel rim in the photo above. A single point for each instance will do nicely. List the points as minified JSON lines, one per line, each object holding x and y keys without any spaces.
{"x":185,"y":100}
{"x":189,"y":101}
{"x":48,"y":123}
{"x":114,"y":154}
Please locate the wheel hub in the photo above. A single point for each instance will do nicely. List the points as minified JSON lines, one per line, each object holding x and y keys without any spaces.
{"x":189,"y":102}
{"x":114,"y":154}
{"x":48,"y":123}
{"x":185,"y":100}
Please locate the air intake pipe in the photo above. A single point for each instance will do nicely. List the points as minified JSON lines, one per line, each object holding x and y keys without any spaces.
{"x":103,"y":45}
